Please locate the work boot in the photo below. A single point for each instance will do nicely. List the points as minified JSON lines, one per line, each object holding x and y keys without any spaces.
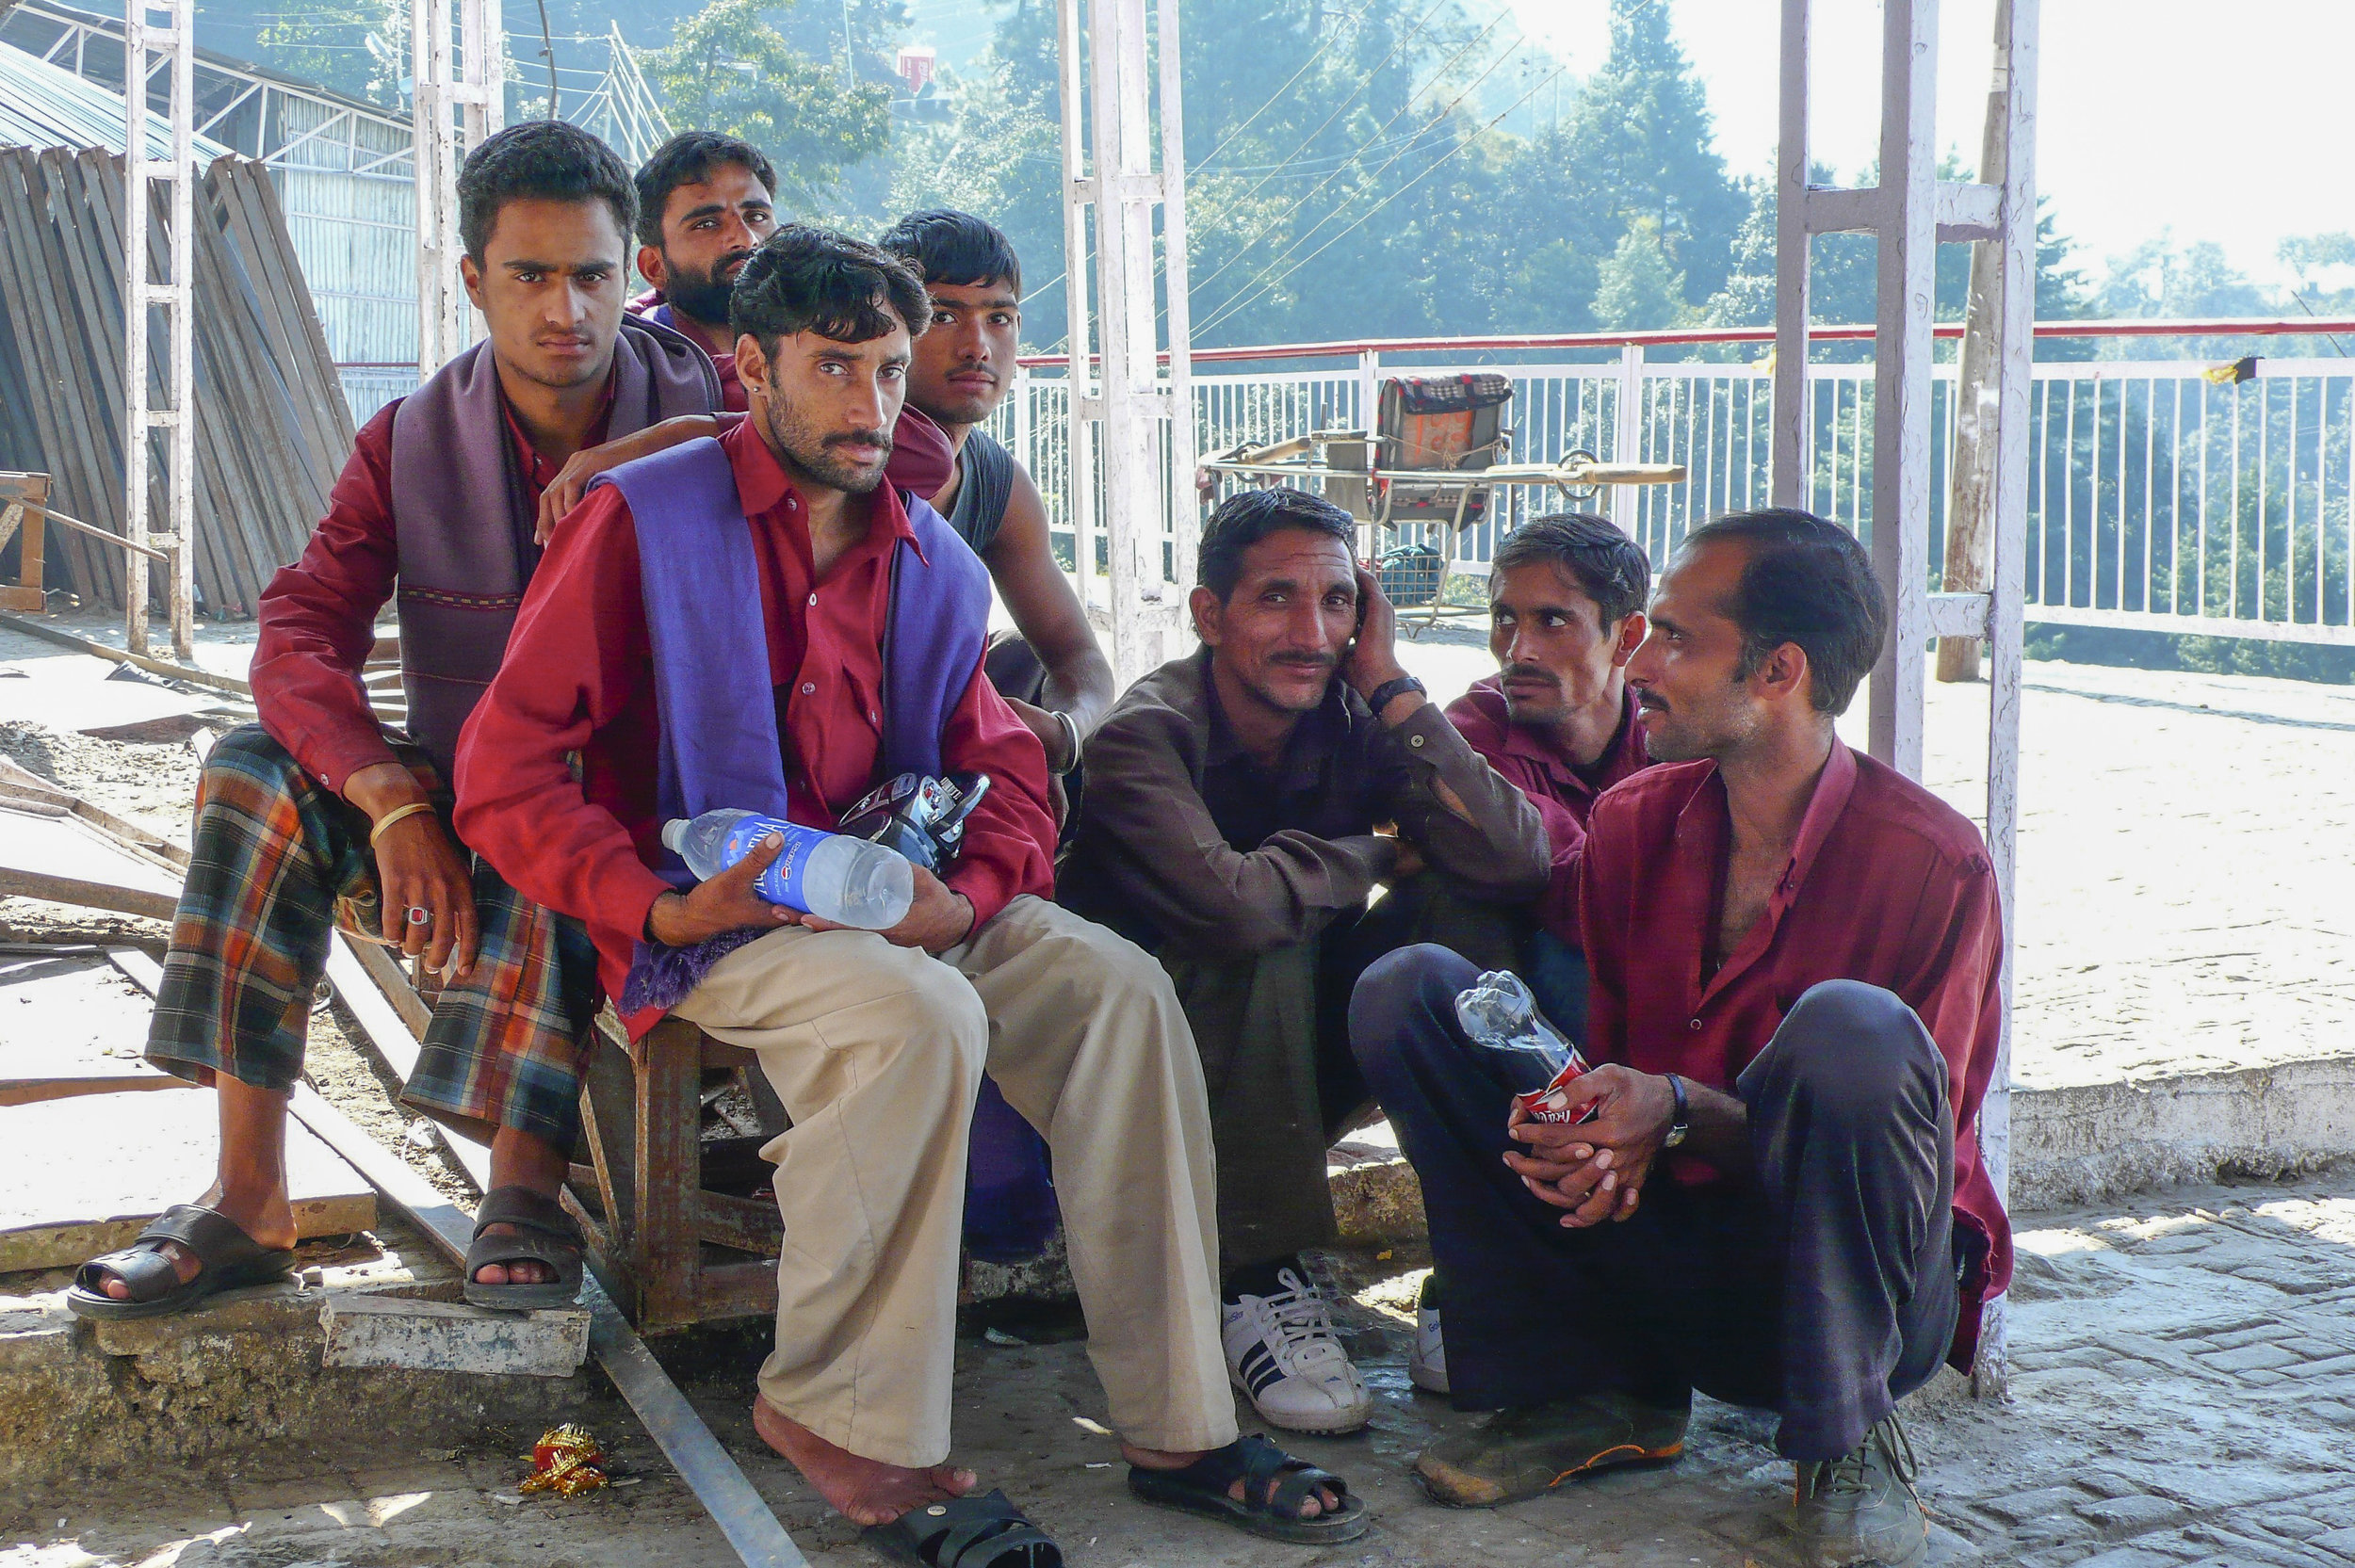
{"x":1860,"y":1511}
{"x":1521,"y":1452}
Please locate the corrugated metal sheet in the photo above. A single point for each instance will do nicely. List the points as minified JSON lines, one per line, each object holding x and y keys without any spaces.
{"x":46,"y":106}
{"x":356,"y":232}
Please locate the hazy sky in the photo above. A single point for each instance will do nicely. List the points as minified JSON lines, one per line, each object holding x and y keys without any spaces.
{"x":2222,"y":122}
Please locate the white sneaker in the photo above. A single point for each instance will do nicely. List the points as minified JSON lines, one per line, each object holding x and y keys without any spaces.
{"x":1281,"y":1351}
{"x":1427,"y":1363}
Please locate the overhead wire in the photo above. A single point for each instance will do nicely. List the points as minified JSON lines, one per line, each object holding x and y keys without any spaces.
{"x":1218,"y":313}
{"x":1379,"y":132}
{"x":1227,"y":310}
{"x":1330,"y":39}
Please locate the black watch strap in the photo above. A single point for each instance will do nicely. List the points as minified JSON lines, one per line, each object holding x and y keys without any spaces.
{"x":1681,"y":1122}
{"x":1388,"y":689}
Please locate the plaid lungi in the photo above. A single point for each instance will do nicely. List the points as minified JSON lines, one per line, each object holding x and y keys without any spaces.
{"x":277,"y":862}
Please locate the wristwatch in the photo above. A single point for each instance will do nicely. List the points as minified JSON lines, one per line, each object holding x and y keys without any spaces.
{"x":1388,"y":689}
{"x":1679,"y":1124}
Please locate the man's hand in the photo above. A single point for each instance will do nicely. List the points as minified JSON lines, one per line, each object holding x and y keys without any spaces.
{"x":1373,"y":659}
{"x":418,"y":867}
{"x":723,"y":903}
{"x":936,"y":921}
{"x":572,"y":481}
{"x":1596,"y":1169}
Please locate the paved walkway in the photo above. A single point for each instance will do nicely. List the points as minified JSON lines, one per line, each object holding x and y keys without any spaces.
{"x":2184,"y":1395}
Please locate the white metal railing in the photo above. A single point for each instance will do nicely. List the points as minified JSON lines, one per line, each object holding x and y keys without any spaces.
{"x":2159,"y":498}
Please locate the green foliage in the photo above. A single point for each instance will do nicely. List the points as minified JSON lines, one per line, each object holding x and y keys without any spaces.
{"x":1638,"y":287}
{"x":728,"y":67}
{"x":359,"y":48}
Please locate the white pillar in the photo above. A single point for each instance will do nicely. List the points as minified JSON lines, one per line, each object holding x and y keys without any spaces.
{"x":173,"y":292}
{"x":473,"y":83}
{"x":1119,"y":167}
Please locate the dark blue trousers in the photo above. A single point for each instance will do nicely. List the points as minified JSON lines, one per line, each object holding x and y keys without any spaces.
{"x":1822,"y":1286}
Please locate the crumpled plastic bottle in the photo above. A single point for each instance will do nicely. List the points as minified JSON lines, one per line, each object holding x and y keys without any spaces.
{"x":1502,"y":1020}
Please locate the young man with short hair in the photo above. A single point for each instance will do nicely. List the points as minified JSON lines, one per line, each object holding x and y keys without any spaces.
{"x":318,"y":815}
{"x":1052,"y":672}
{"x":1796,"y":958}
{"x":1244,"y":805}
{"x":759,"y":621}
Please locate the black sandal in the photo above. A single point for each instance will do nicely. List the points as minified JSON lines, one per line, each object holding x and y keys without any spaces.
{"x":1201,"y":1488}
{"x":965,"y":1532}
{"x":226,"y":1258}
{"x":547,"y":1235}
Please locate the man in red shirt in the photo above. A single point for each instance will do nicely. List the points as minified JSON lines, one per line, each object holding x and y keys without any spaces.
{"x":875,"y":1042}
{"x":1566,"y":611}
{"x":318,"y":812}
{"x":1796,"y":1011}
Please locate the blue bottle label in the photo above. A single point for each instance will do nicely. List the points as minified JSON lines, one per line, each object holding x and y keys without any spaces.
{"x":781,"y":884}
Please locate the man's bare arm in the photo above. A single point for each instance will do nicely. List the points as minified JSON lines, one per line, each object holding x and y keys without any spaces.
{"x":1048,"y":614}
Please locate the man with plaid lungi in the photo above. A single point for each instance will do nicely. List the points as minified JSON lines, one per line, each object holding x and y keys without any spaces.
{"x":317,"y":818}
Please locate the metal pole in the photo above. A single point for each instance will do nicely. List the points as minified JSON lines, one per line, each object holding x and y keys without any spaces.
{"x":1791,"y":417}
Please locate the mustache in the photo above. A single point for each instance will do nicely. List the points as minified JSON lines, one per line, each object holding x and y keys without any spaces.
{"x":1527,"y":672}
{"x":860,"y":438}
{"x":1308,"y":661}
{"x":1650,"y":703}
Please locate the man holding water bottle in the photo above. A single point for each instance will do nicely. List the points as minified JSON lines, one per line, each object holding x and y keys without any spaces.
{"x":1794,"y":1013}
{"x":760,"y":623}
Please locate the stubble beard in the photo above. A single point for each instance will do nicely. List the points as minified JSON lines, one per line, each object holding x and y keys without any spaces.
{"x":794,"y":441}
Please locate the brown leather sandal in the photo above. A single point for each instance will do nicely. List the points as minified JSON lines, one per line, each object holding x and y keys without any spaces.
{"x":226,"y":1258}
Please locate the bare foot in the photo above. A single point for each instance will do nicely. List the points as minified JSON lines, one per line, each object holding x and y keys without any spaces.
{"x":1158,"y":1459}
{"x":524,"y":1271}
{"x":863,"y":1491}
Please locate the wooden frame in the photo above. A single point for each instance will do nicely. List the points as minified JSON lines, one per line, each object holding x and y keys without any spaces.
{"x":23,"y":499}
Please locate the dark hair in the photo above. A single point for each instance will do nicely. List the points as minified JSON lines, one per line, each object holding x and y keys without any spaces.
{"x":804,"y":279}
{"x":545,"y":160}
{"x":1241,"y":521}
{"x":689,"y":158}
{"x":1609,"y":566}
{"x":954,"y":248}
{"x":1805,"y":581}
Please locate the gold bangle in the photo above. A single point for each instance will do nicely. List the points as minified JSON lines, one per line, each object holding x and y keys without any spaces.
{"x":398,"y":814}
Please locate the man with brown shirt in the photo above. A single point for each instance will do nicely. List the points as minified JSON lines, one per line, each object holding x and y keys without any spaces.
{"x":1244,"y":806}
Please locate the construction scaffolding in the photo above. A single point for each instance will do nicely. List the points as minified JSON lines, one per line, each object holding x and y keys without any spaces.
{"x":466,"y":73}
{"x":1131,"y":377}
{"x":1909,"y":213}
{"x":174,"y":294}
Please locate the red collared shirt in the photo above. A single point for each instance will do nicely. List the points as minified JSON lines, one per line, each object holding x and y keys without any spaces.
{"x":1886,"y":884}
{"x":319,"y":615}
{"x":1563,"y":793}
{"x":577,"y":678}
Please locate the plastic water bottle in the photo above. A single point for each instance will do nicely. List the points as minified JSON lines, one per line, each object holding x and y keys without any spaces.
{"x":1502,"y":1020}
{"x":847,"y":880}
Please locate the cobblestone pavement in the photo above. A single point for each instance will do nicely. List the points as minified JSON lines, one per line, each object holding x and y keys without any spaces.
{"x":2185,"y":901}
{"x":2183,"y":1394}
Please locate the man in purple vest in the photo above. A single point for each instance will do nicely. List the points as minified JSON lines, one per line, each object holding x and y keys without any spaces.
{"x":760,"y":621}
{"x":318,"y":815}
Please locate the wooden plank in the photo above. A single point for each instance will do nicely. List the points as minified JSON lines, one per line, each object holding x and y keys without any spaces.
{"x":74,"y":1026}
{"x":20,"y":784}
{"x":387,"y":1033}
{"x":190,"y":674}
{"x":52,"y":358}
{"x":59,"y":1205}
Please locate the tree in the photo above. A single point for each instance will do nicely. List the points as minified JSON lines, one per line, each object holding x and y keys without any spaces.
{"x":1639,"y":287}
{"x":728,"y":68}
{"x":1642,"y":130}
{"x":359,"y":48}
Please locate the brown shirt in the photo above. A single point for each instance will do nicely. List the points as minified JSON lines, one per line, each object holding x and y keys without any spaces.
{"x":1186,"y":843}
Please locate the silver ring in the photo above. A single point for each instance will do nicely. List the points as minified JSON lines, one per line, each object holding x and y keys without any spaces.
{"x":421,"y":916}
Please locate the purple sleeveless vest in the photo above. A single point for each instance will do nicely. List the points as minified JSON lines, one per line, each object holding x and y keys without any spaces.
{"x":463,"y":517}
{"x":716,"y":709}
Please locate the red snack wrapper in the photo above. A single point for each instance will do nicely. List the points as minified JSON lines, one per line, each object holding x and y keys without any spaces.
{"x":1546,"y":1105}
{"x":565,"y":1461}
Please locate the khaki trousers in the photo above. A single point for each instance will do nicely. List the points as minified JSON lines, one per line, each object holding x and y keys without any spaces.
{"x":877,"y":1053}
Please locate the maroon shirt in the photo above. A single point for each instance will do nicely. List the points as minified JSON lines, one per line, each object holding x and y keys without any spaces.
{"x":1887,"y":884}
{"x":578,"y":678}
{"x":319,"y":615}
{"x":1563,"y":792}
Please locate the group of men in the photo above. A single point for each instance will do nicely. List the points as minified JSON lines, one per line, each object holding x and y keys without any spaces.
{"x":734,"y":544}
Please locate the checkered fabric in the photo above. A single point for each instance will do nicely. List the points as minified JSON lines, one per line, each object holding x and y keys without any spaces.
{"x":277,"y":863}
